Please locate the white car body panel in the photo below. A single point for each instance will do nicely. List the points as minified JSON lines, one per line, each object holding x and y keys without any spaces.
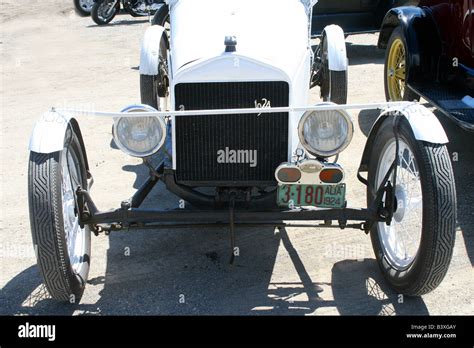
{"x":261,"y":28}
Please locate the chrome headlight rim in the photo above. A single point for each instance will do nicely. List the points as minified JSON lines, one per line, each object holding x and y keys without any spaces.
{"x":139,"y":108}
{"x":326,"y":154}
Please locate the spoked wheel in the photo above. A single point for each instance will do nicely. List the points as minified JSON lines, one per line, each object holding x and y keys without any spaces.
{"x":104,"y":11}
{"x":154,"y":89}
{"x":333,"y":83}
{"x":415,"y":250}
{"x":62,"y":246}
{"x":83,"y":7}
{"x":396,"y":68}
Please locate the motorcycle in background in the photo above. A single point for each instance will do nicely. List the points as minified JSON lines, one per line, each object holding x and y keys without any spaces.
{"x":104,"y":11}
{"x":83,"y":7}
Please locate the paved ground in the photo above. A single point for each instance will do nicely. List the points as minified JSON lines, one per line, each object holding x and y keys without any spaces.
{"x":51,"y":57}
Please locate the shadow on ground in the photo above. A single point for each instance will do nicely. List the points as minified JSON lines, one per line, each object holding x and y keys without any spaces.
{"x":364,"y":54}
{"x":360,"y":54}
{"x":119,"y":22}
{"x":187,"y":272}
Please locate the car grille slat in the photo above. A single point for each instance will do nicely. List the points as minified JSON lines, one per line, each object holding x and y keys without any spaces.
{"x":199,"y":138}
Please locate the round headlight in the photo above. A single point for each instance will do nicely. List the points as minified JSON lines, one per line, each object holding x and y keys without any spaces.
{"x":139,"y":136}
{"x":325,"y":133}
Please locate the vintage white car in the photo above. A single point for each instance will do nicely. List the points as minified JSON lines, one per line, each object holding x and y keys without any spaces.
{"x":225,"y":98}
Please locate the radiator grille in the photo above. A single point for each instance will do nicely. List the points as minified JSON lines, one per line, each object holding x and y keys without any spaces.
{"x":199,"y":138}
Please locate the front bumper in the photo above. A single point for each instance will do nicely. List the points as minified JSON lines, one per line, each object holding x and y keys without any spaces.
{"x":131,"y":216}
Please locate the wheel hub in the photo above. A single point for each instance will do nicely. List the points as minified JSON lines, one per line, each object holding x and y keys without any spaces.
{"x":401,"y":239}
{"x":401,"y":199}
{"x":87,"y":4}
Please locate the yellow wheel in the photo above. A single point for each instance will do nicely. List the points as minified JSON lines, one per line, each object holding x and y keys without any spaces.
{"x":396,"y":69}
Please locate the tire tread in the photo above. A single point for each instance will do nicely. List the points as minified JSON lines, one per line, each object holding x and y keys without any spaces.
{"x":444,"y":221}
{"x":148,"y":91}
{"x":45,"y":225}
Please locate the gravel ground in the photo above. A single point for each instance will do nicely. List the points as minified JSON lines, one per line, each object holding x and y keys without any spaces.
{"x":51,"y":57}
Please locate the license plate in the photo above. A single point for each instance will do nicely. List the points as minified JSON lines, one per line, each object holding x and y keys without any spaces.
{"x":323,"y":196}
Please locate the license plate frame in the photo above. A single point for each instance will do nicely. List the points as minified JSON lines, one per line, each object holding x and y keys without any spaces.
{"x":321,"y":196}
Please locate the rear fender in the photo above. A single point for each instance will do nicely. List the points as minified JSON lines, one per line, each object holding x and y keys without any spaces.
{"x":421,"y":35}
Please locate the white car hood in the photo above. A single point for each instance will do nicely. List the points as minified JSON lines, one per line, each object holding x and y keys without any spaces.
{"x":275,"y":32}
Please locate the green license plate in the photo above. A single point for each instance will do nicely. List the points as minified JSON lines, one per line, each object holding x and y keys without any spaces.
{"x":323,"y":196}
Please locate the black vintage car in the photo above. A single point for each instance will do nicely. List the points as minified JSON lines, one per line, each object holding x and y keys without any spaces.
{"x":430,"y":54}
{"x":354,"y":16}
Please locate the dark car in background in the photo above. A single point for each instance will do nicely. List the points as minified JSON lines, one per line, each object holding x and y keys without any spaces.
{"x":430,"y":54}
{"x":354,"y":16}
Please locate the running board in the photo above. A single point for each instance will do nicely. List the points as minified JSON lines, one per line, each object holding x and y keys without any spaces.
{"x":448,"y":99}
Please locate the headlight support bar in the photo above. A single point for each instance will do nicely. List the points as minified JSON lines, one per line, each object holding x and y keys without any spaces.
{"x":325,"y":107}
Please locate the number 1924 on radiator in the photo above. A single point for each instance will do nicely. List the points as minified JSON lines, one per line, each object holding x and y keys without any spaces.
{"x":322,"y":196}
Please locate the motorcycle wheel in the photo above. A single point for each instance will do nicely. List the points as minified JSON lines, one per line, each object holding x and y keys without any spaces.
{"x":83,"y":7}
{"x":103,"y":13}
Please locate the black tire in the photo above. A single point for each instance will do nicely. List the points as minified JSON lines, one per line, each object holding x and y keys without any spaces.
{"x":45,"y":185}
{"x":154,"y":87}
{"x":438,"y":222}
{"x":334,"y":83}
{"x":97,"y":10}
{"x":80,"y":10}
{"x":408,"y":94}
{"x":148,"y":90}
{"x":161,"y":16}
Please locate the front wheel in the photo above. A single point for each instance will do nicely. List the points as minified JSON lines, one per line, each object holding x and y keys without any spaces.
{"x":83,"y":7}
{"x":62,"y":246}
{"x":415,"y":250}
{"x":104,"y":11}
{"x":154,"y":89}
{"x":333,"y":83}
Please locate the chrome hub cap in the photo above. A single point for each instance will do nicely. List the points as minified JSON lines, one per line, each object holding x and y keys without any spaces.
{"x":401,"y":199}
